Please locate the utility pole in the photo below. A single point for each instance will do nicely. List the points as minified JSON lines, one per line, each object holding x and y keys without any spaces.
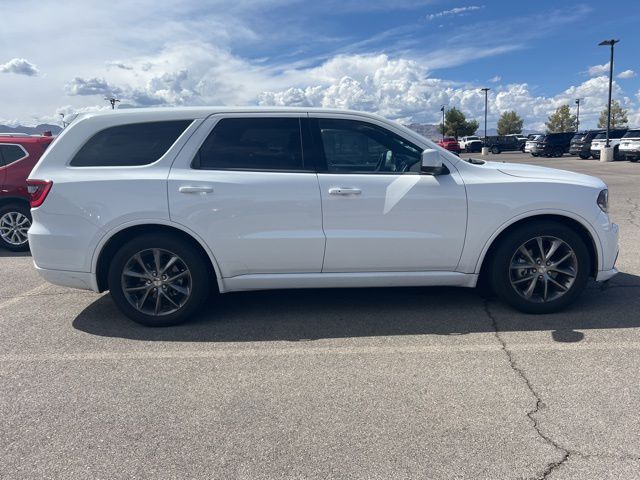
{"x":442,"y":110}
{"x":578,"y":115}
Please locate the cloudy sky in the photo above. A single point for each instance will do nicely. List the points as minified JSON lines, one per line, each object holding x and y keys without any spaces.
{"x":401,"y":59}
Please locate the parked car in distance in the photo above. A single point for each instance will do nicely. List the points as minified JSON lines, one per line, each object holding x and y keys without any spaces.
{"x":471,"y":144}
{"x":451,"y":144}
{"x":581,"y":143}
{"x":522,"y":139}
{"x":600,"y":140}
{"x":552,"y":144}
{"x":502,"y":143}
{"x":257,"y":199}
{"x":630,"y":146}
{"x":531,"y":142}
{"x":18,"y":155}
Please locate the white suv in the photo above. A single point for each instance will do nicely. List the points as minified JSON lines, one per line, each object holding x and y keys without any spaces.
{"x":630,"y":145}
{"x":160,"y":205}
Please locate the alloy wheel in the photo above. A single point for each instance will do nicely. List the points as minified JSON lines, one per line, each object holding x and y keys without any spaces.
{"x":156,"y":282}
{"x":14,"y":227}
{"x":543,"y":269}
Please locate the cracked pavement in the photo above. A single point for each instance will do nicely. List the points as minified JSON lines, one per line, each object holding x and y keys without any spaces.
{"x":376,"y":384}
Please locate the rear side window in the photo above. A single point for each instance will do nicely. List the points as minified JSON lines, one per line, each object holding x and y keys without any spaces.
{"x":129,"y":145}
{"x":252,"y":144}
{"x":10,"y":154}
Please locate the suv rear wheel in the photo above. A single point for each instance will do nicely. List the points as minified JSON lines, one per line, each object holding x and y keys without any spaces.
{"x":495,"y":150}
{"x":541,"y":267}
{"x":159,"y":280}
{"x":15,"y":220}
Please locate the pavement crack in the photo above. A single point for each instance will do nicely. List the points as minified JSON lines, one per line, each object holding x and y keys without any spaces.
{"x":539,"y":405}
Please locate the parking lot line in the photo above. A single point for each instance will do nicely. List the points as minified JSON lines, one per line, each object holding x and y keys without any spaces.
{"x":34,"y":291}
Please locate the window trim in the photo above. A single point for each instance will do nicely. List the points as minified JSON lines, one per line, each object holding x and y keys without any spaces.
{"x":302,"y":120}
{"x":26,"y":154}
{"x":192,"y":122}
{"x":321,"y":162}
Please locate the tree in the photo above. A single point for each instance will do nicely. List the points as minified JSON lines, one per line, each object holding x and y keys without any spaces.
{"x":561,"y":121}
{"x":509,"y":122}
{"x":456,"y":124}
{"x":618,"y":116}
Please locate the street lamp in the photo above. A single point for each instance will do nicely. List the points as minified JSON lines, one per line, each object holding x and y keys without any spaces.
{"x":610,"y":43}
{"x":112,"y":101}
{"x":485,"y":90}
{"x":442,"y":110}
{"x":578,"y":115}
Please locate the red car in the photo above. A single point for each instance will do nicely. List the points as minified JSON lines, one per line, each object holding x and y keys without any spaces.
{"x":451,"y":144}
{"x":18,"y":155}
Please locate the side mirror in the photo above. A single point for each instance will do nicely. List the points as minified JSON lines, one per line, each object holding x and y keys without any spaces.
{"x":431,"y":162}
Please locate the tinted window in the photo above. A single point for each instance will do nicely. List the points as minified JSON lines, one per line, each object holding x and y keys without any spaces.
{"x":632,"y":134}
{"x":252,"y":144}
{"x":353,"y":146}
{"x":10,"y":153}
{"x":129,"y":145}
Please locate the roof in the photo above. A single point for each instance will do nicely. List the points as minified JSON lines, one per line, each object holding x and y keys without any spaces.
{"x":23,"y":138}
{"x":201,"y":112}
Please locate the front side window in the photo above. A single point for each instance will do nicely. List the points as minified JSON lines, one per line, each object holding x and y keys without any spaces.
{"x":129,"y":145}
{"x":252,"y":144}
{"x":354,"y":146}
{"x":10,"y":154}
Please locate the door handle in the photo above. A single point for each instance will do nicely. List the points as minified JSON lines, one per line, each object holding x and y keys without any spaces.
{"x":195,"y":189}
{"x":344,"y":191}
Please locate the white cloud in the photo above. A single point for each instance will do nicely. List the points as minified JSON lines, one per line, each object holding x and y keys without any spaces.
{"x":627,"y":74}
{"x":454,"y":12}
{"x":495,"y":79}
{"x":597,"y":70}
{"x":19,"y":66}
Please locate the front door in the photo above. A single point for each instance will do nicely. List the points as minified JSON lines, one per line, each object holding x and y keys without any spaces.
{"x":246,"y":189}
{"x":379,"y":212}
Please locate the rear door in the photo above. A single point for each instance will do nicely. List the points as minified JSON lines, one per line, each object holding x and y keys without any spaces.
{"x":379,"y":212}
{"x":3,"y":172}
{"x":246,"y":188}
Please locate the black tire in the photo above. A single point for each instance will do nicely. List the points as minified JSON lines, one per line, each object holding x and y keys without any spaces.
{"x":633,"y":159}
{"x":534,"y":154}
{"x":15,"y":208}
{"x":495,"y":150}
{"x":196,"y":263}
{"x":501,"y":266}
{"x":558,"y":153}
{"x":584,"y":156}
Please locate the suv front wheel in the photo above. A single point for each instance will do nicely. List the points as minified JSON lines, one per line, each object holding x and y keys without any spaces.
{"x":159,"y":280}
{"x":15,"y":221}
{"x":541,"y":267}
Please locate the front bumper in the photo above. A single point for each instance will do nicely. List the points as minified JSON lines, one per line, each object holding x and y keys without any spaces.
{"x":609,"y":234}
{"x":629,"y":154}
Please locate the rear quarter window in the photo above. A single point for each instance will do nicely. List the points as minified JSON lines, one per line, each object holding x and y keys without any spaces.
{"x":11,"y":153}
{"x":129,"y":145}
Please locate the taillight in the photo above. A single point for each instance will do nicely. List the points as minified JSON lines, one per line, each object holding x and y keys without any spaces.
{"x":38,"y":191}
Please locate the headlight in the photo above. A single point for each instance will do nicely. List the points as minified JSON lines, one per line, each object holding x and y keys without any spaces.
{"x":603,"y":200}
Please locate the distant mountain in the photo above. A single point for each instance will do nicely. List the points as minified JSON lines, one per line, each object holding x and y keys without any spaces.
{"x":55,"y":129}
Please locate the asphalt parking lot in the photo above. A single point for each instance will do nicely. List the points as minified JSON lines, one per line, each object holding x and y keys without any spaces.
{"x":376,"y":384}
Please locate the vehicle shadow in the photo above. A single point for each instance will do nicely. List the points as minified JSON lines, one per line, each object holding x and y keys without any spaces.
{"x":299,"y":315}
{"x":7,"y":253}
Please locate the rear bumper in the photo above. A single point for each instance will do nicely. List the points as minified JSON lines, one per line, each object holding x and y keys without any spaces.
{"x":64,"y":278}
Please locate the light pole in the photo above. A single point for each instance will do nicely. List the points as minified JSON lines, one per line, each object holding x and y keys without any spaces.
{"x":112,"y":101}
{"x":485,"y":90}
{"x":442,"y":110}
{"x":578,"y":115}
{"x":610,"y":43}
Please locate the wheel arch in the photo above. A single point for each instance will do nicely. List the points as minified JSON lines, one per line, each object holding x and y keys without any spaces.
{"x":578,"y":225}
{"x":110,"y":244}
{"x":14,"y":200}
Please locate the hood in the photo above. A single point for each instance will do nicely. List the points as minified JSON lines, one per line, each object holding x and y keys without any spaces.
{"x":543,"y":173}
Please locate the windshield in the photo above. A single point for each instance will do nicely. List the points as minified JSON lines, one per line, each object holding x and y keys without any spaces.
{"x":578,"y":137}
{"x":600,"y":136}
{"x":632,"y":134}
